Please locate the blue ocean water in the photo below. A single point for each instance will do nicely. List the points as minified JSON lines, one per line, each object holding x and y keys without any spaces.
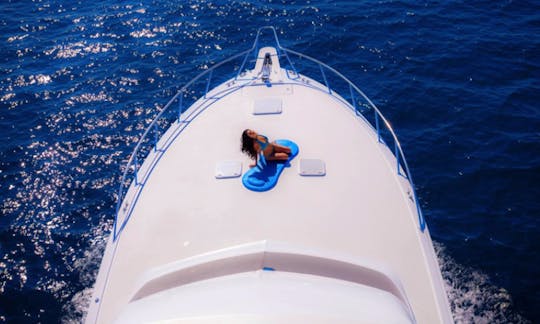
{"x":459,"y":80}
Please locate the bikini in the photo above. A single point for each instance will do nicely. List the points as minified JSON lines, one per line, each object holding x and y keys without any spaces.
{"x":264,"y":145}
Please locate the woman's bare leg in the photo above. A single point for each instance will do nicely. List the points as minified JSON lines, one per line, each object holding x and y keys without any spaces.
{"x":281,"y":149}
{"x":278,"y":156}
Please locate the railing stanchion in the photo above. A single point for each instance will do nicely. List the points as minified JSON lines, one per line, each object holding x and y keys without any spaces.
{"x":208,"y":83}
{"x":396,"y":153}
{"x":353,"y":100}
{"x":114,"y":227}
{"x":325,"y":81}
{"x":377,"y":125}
{"x":180,"y":99}
{"x":135,"y":167}
{"x":421,"y":219}
{"x":241,"y":67}
{"x":156,"y":131}
{"x":292,"y":67}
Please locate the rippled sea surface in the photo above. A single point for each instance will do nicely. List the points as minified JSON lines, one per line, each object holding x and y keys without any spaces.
{"x":79,"y":82}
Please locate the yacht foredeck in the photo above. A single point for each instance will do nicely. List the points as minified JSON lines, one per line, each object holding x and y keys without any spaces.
{"x":362,"y":209}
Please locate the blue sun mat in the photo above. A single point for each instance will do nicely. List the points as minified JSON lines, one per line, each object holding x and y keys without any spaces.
{"x":265,"y":175}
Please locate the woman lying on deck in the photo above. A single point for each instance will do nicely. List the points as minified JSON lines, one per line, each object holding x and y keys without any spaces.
{"x":253,"y":144}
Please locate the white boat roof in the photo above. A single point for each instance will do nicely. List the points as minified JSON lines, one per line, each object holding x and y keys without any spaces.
{"x":360,"y":212}
{"x":267,"y":297}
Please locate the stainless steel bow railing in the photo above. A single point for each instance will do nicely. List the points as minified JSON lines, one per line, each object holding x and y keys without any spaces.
{"x":357,"y":101}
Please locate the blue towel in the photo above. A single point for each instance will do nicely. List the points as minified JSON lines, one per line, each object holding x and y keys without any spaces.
{"x":264,"y":176}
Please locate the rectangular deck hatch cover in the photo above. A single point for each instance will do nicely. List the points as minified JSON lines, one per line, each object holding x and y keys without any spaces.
{"x":228,"y":169}
{"x":312,"y":167}
{"x":267,"y":106}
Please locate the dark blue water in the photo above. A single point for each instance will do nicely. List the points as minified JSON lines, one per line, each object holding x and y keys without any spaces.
{"x":79,"y":81}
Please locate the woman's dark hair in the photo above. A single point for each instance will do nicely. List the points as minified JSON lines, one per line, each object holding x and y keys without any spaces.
{"x":247,"y":145}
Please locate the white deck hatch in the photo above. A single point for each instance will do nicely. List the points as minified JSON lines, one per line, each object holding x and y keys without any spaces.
{"x":312,"y":167}
{"x":228,"y":169}
{"x":267,"y":106}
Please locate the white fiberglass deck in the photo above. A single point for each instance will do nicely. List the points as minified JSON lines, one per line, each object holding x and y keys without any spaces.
{"x":361,"y":209}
